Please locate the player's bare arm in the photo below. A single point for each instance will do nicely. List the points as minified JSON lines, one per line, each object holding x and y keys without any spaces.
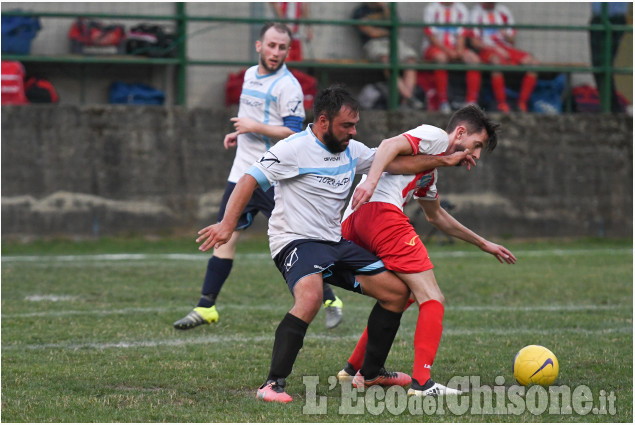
{"x":388,"y":150}
{"x":249,"y":125}
{"x":443,"y":221}
{"x":218,"y":234}
{"x":415,"y":164}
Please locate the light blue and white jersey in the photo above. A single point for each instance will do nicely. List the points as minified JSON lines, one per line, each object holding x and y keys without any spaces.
{"x":267,"y":99}
{"x":312,"y":185}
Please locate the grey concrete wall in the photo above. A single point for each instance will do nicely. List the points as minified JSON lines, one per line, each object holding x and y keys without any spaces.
{"x":106,"y":170}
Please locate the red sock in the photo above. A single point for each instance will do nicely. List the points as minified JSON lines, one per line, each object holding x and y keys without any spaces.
{"x":473,"y":86}
{"x":498,"y":87}
{"x":357,"y":358}
{"x":526,"y":88}
{"x":441,"y":78}
{"x":427,"y":339}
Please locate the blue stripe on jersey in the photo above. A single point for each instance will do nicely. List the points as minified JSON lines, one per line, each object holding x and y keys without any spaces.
{"x":330,"y":171}
{"x":256,"y":94}
{"x":256,"y":173}
{"x":369,"y":268}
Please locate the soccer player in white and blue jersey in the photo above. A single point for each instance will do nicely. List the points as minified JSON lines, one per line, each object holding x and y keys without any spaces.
{"x":271,"y":108}
{"x":313,"y":171}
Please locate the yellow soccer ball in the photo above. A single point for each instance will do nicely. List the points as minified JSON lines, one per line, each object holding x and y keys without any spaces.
{"x":535,"y":364}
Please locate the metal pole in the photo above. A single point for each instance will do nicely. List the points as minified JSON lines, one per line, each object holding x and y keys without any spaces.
{"x":605,"y":90}
{"x":181,"y":68}
{"x":393,"y":99}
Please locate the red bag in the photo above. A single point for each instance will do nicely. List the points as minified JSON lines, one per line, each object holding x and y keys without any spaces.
{"x":13,"y":83}
{"x":39,"y":90}
{"x":234,"y":87}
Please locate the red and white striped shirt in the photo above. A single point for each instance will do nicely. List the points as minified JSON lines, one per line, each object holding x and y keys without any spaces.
{"x":440,"y":13}
{"x":499,"y":15}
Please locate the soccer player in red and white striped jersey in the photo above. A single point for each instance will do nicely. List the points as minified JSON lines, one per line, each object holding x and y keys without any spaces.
{"x":496,"y":46}
{"x":448,"y":44}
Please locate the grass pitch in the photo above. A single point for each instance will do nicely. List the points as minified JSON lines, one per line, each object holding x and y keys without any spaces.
{"x":87,"y":335}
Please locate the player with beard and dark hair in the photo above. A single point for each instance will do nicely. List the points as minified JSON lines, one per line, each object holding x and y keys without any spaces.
{"x":313,"y":172}
{"x":271,"y":108}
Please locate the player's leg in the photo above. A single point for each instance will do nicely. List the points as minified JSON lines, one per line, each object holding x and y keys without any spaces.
{"x":441,"y":76}
{"x":428,"y":331}
{"x":219,"y":266}
{"x":382,"y":327}
{"x":289,"y":337}
{"x":472,"y":77}
{"x":332,"y":307}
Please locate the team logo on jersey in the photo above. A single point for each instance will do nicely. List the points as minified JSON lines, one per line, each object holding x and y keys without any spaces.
{"x":412,"y":241}
{"x":292,"y":105}
{"x":291,"y":259}
{"x":269,"y":159}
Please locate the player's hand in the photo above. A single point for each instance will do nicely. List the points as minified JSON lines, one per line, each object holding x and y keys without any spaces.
{"x":362,"y":194}
{"x":461,"y":158}
{"x":245,"y":125}
{"x":214,"y":236}
{"x":231,"y":140}
{"x":502,"y":254}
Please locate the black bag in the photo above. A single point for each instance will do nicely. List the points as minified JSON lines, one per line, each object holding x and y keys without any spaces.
{"x":151,"y":41}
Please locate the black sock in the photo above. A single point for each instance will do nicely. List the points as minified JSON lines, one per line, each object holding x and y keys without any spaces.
{"x":328,"y":293}
{"x":218,"y":270}
{"x":382,"y":328}
{"x":288,"y":342}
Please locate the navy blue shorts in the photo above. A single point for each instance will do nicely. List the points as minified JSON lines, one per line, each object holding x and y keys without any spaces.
{"x":338,"y":261}
{"x":260,"y":201}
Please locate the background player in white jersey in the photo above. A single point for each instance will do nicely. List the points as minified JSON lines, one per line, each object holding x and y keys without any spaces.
{"x":381,"y":226}
{"x":271,"y":108}
{"x":314,"y":171}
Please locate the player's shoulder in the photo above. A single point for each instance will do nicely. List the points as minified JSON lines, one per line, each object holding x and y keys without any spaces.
{"x":251,"y":71}
{"x":427,"y":130}
{"x":357,"y":148}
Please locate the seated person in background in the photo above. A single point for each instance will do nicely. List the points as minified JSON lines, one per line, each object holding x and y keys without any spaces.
{"x":294,"y":10}
{"x":496,"y":46}
{"x":448,"y":44}
{"x":376,"y":45}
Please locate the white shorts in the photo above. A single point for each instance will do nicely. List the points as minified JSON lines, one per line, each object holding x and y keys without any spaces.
{"x":379,"y":48}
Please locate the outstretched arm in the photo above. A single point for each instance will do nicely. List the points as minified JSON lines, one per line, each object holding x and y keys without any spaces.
{"x":218,"y":234}
{"x":394,"y":156}
{"x":443,"y":221}
{"x":415,"y":164}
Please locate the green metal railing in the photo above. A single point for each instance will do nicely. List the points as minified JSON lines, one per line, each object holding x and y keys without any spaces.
{"x":181,"y":61}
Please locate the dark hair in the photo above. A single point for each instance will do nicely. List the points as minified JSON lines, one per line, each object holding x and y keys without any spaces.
{"x":330,"y":100}
{"x":475,"y":120}
{"x":278,"y":26}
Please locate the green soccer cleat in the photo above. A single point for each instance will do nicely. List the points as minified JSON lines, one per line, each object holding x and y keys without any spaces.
{"x":198,"y":316}
{"x":333,"y":311}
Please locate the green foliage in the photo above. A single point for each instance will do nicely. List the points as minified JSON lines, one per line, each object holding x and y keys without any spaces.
{"x":89,"y":338}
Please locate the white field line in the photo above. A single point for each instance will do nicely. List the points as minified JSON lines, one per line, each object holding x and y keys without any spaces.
{"x":282,"y":308}
{"x":228,"y":339}
{"x":266,"y":256}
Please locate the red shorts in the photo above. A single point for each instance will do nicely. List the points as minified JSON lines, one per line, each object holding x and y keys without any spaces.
{"x":385,"y":230}
{"x":515,"y":56}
